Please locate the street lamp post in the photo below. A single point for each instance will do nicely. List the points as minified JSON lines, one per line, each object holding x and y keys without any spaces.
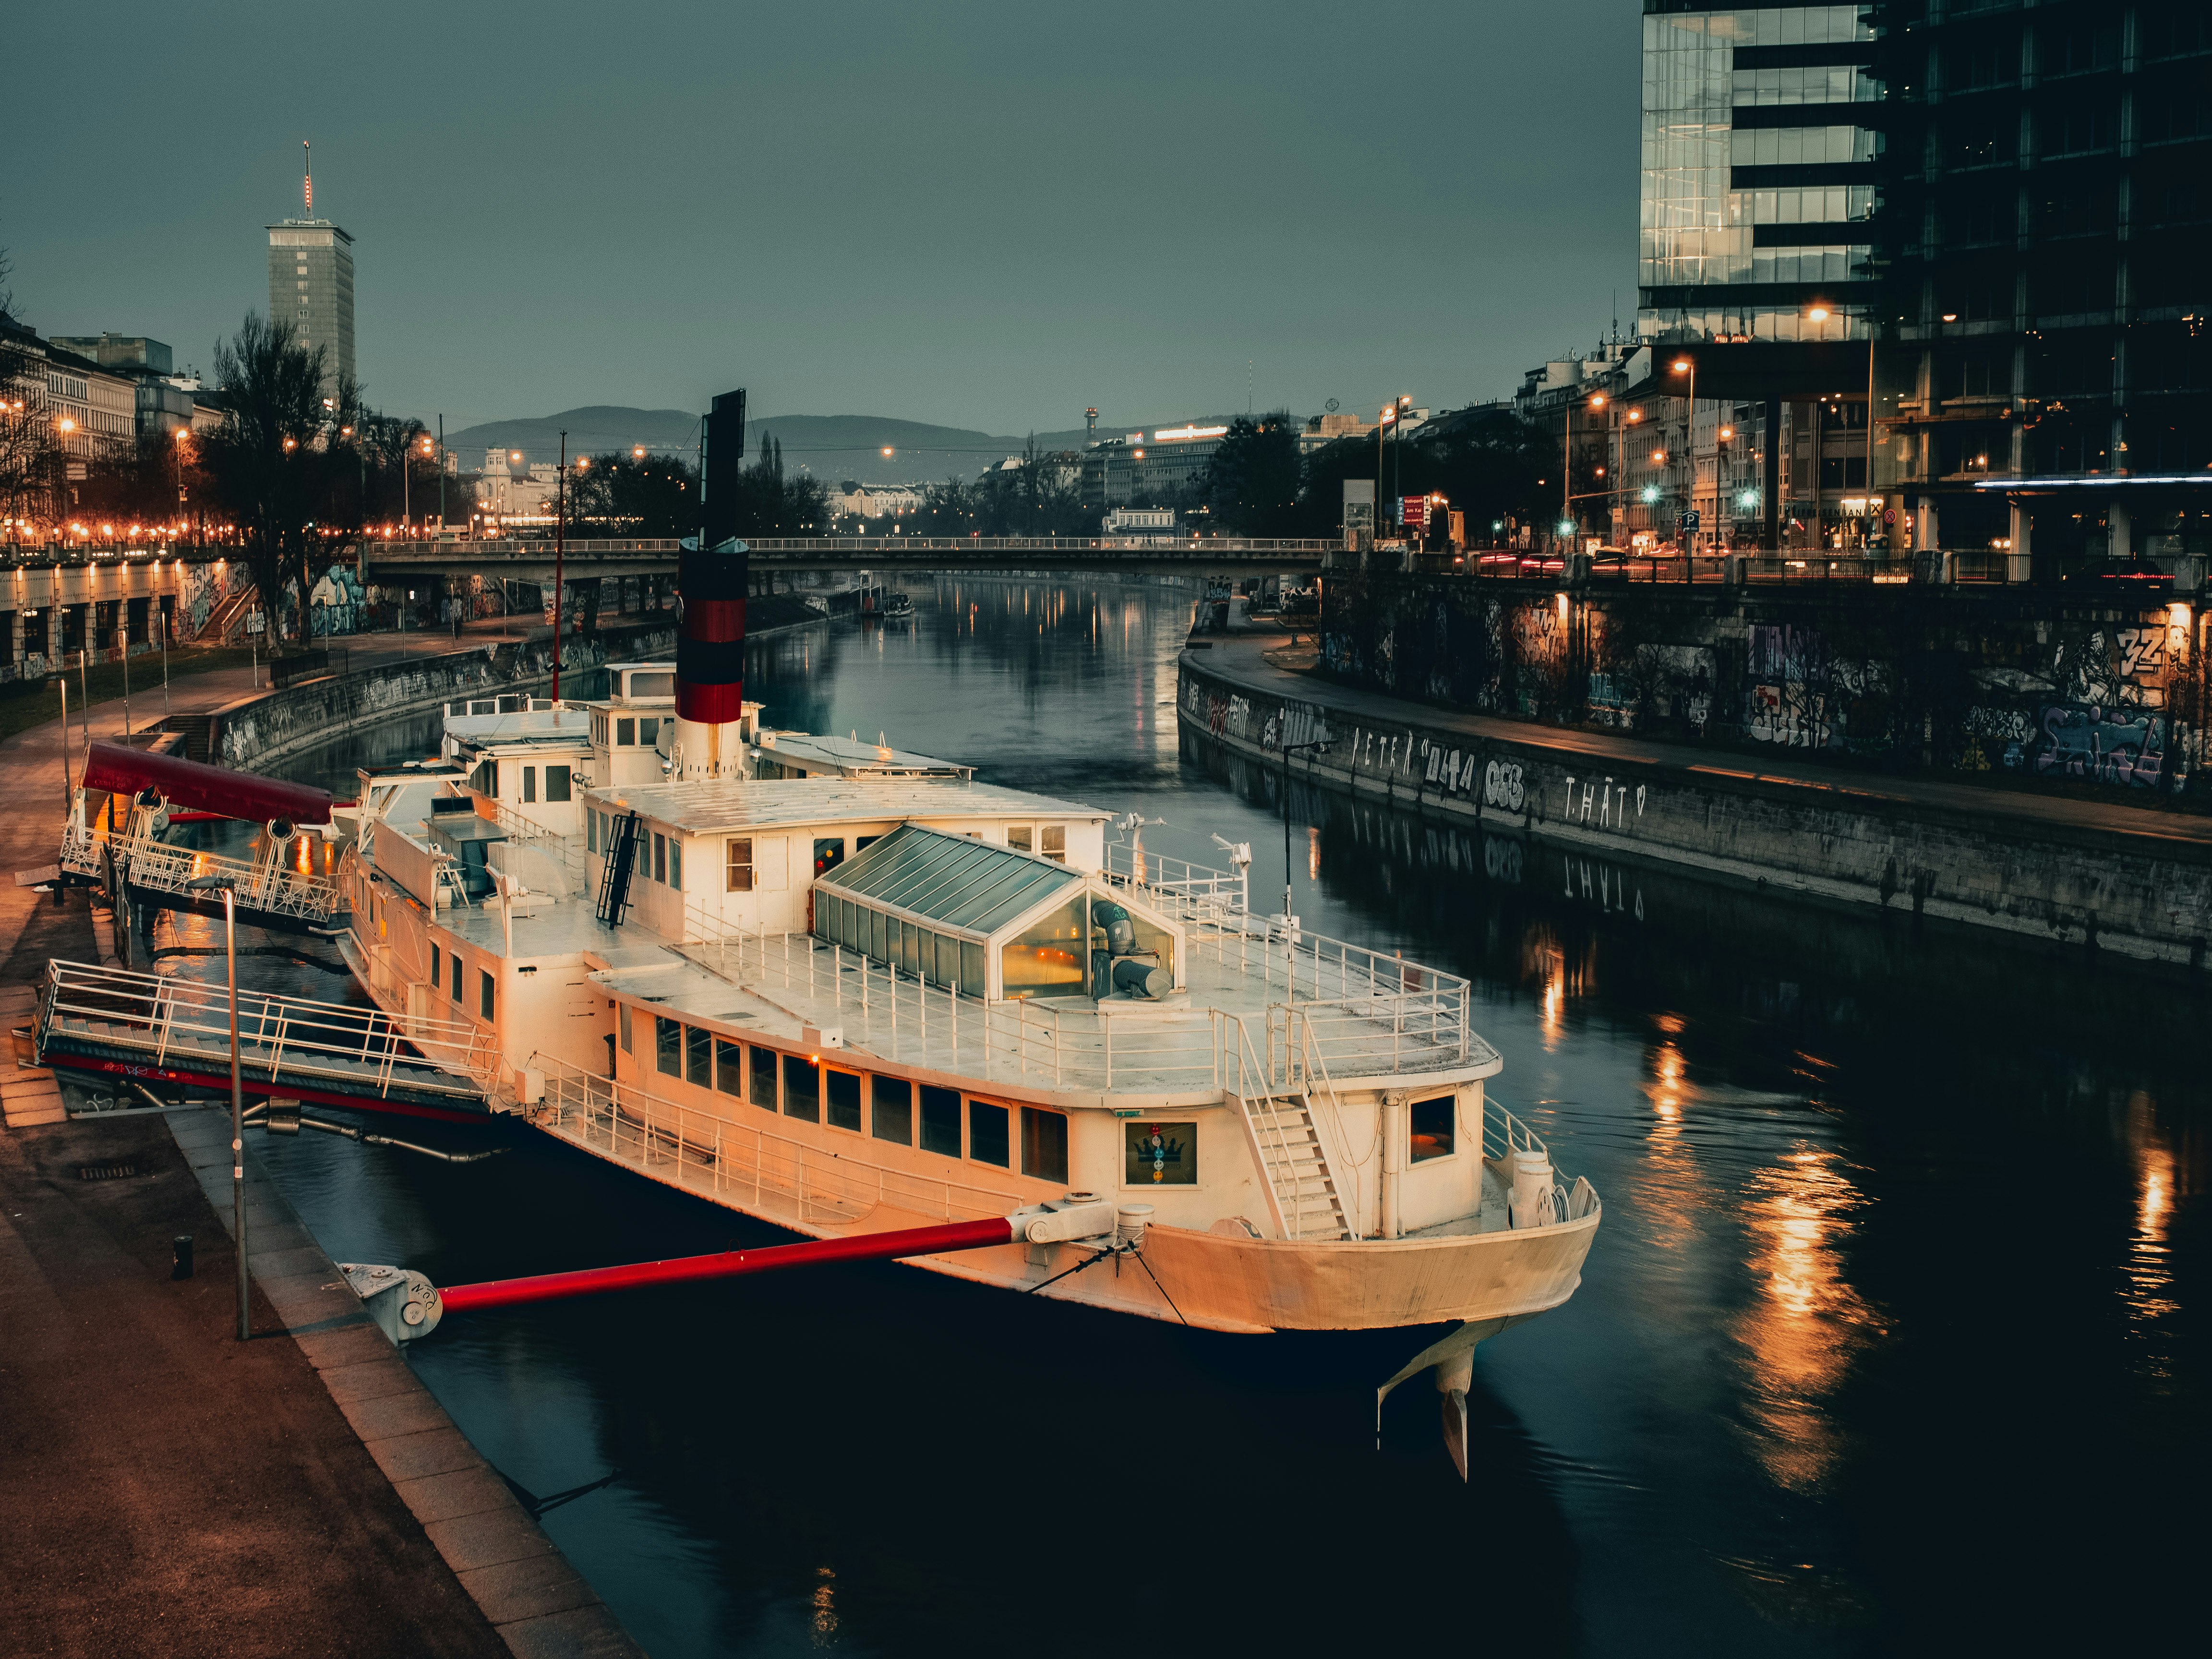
{"x":226,"y":886}
{"x":560,"y":548}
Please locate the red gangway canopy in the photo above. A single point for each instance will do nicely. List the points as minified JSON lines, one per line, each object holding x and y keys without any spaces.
{"x":205,"y":789}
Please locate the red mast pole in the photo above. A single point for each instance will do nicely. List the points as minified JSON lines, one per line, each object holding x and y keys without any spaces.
{"x":560,"y":547}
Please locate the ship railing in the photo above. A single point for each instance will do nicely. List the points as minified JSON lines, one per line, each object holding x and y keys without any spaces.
{"x":1188,"y":892}
{"x":156,"y":1015}
{"x":745,"y":1160}
{"x":1504,"y":1134}
{"x":1398,"y":1016}
{"x":267,"y":885}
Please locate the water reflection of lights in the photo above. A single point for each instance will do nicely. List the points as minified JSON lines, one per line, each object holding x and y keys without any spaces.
{"x":1554,"y":1005}
{"x":2149,"y":1266}
{"x":1313,"y":853}
{"x":1666,"y":1093}
{"x":1808,"y":1320}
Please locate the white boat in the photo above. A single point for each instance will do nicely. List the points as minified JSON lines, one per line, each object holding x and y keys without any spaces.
{"x":846,"y":989}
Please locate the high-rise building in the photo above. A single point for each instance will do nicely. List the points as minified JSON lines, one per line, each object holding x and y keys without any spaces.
{"x":1759,"y":159}
{"x":2048,"y":262}
{"x":310,"y":287}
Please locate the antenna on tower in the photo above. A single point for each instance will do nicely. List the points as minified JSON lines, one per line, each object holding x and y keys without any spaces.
{"x":307,"y":156}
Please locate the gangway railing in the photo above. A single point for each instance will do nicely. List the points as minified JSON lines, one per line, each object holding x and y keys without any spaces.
{"x":114,"y":1019}
{"x":267,"y":888}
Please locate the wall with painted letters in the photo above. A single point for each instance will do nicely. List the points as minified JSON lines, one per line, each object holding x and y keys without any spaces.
{"x":2143,"y":897}
{"x":2107,"y":695}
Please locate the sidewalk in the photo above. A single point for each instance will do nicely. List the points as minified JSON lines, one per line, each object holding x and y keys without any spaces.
{"x":171,"y":1490}
{"x":1242,"y":659}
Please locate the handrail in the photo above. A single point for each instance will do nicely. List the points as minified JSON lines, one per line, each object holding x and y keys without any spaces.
{"x":264,"y":885}
{"x":726,"y":1153}
{"x":1248,"y":1065}
{"x":334,"y":1038}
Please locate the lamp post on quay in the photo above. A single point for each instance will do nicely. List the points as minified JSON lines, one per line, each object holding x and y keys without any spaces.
{"x":227,"y":886}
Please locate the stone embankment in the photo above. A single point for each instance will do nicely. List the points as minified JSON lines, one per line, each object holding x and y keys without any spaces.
{"x":259,"y":732}
{"x":2113,"y":877}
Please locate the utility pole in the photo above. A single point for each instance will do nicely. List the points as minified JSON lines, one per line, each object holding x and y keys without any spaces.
{"x":441,"y":472}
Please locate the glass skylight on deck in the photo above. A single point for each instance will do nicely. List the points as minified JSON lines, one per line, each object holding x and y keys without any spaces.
{"x":958,"y":912}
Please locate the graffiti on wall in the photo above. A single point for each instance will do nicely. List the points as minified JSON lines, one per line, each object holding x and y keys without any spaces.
{"x":338,"y":602}
{"x":2107,"y":746}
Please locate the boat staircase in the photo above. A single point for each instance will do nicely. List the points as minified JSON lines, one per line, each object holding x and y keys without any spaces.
{"x":1284,"y":1093}
{"x":155,"y":1027}
{"x":614,"y":880}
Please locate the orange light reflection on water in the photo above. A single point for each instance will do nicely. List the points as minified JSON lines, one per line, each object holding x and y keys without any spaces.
{"x":1808,"y":1320}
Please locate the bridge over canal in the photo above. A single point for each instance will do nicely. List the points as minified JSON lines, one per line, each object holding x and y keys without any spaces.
{"x":532,"y":560}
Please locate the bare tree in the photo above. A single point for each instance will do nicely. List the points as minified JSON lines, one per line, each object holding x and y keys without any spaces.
{"x":30,"y":447}
{"x":266,"y":462}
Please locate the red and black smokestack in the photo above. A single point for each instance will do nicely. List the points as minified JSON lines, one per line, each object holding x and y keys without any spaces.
{"x":710,"y":651}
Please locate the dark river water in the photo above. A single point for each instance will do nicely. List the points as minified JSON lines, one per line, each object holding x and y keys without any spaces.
{"x":1890,"y":1339}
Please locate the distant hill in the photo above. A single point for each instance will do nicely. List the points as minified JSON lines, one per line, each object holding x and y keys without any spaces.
{"x":832,"y":447}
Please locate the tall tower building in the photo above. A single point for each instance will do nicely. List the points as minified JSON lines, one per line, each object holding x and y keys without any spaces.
{"x":310,"y":286}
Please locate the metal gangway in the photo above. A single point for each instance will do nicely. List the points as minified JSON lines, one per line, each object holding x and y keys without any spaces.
{"x":165,"y":1028}
{"x":269,"y":892}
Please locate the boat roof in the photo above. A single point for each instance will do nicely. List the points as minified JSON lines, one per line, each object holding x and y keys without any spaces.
{"x":520,"y":727}
{"x":854,"y":758}
{"x":711,"y":805}
{"x":953,"y":879}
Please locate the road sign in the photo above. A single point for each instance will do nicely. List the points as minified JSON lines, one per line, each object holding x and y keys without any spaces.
{"x":1414,"y":512}
{"x":1687,"y":519}
{"x":1889,"y":516}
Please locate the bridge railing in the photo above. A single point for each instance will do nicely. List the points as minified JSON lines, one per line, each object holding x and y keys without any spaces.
{"x":1180,"y":548}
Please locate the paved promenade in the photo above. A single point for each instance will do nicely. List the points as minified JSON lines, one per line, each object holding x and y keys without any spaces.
{"x":1245,"y":661}
{"x":169,"y":1490}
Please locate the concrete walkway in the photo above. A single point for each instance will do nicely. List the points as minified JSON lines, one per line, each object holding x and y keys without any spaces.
{"x":1243,"y":659}
{"x":170,"y":1489}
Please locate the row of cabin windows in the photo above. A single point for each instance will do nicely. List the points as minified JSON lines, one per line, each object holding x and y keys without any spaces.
{"x":559,"y":781}
{"x":629,"y":732}
{"x":1046,"y":840}
{"x":456,"y":977}
{"x":895,"y":1109}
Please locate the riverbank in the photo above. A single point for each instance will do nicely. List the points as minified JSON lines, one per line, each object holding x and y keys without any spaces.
{"x":2107,"y":877}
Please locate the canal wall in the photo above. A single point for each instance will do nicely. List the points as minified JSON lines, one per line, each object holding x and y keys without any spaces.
{"x":2104,"y":690}
{"x":259,"y":732}
{"x":2134,"y":891}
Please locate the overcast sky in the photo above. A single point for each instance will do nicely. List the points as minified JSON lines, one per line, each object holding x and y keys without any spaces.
{"x":988,"y":215}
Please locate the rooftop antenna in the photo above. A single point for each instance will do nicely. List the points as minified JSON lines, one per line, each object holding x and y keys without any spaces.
{"x":307,"y":157}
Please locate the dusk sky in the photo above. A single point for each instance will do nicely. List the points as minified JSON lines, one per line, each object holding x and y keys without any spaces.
{"x":987,"y":215}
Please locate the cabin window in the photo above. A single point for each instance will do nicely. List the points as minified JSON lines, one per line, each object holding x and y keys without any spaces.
{"x":738,"y":865}
{"x":486,"y":777}
{"x":675,"y":864}
{"x":558,"y":781}
{"x":1044,"y":1144}
{"x":668,"y":1045}
{"x":894,"y":1110}
{"x":591,"y":830}
{"x":699,"y":1056}
{"x":454,"y":978}
{"x":1053,"y":842}
{"x":861,"y":843}
{"x":986,"y":1133}
{"x":436,"y":958}
{"x":729,"y":1067}
{"x":529,"y":786}
{"x":483,"y":992}
{"x":842,"y":1096}
{"x":1017,"y":837}
{"x":829,"y":853}
{"x":648,"y":732}
{"x":941,"y":1120}
{"x":1159,"y":1154}
{"x":660,"y":858}
{"x":625,"y":733}
{"x":802,"y":1089}
{"x":1432,"y":1123}
{"x":764,"y":1073}
{"x":622,"y":1018}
